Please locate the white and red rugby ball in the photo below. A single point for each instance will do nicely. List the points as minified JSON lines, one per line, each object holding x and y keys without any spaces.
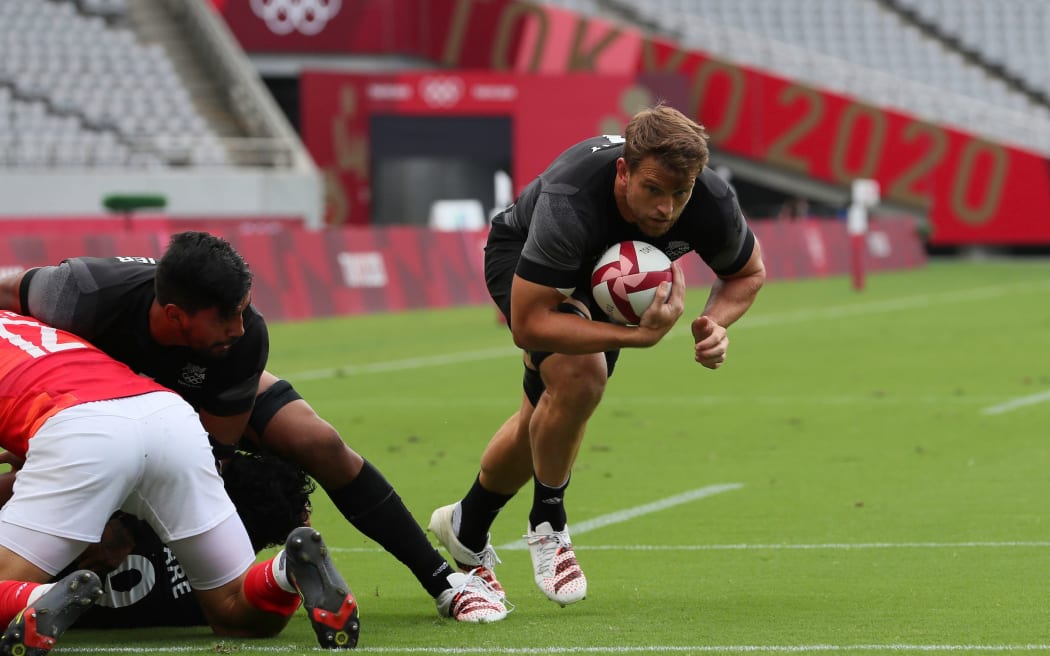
{"x":625,"y":279}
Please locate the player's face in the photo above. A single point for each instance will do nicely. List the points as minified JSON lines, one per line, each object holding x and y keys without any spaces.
{"x":654,"y":196}
{"x":211,"y":334}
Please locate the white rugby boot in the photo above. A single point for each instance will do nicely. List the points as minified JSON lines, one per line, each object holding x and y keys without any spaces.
{"x":558,"y":574}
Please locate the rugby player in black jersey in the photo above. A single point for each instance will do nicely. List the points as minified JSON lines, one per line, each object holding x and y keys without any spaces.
{"x":652,"y":185}
{"x":187,"y":322}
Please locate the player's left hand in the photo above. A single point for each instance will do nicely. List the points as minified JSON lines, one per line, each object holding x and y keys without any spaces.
{"x":710,"y":342}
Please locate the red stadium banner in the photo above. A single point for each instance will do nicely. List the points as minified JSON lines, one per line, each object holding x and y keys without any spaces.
{"x":302,"y":274}
{"x":466,"y":32}
{"x":336,"y":109}
{"x":974,"y":191}
{"x":110,"y":224}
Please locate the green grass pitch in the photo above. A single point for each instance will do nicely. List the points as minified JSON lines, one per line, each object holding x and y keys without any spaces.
{"x":884,"y":456}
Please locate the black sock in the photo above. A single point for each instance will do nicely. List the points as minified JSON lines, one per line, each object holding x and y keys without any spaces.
{"x":548,"y":505}
{"x":477,"y":512}
{"x":374,"y":508}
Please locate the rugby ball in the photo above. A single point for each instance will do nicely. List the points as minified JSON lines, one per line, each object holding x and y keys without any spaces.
{"x":625,"y":279}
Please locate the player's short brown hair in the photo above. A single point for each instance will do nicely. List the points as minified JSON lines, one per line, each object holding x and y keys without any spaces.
{"x":678,"y":142}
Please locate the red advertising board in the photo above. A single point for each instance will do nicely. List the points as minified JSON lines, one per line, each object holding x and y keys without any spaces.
{"x":302,"y":274}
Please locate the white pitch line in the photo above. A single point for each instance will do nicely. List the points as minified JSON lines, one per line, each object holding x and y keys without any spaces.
{"x":717,"y":649}
{"x":887,"y":306}
{"x":408,"y":363}
{"x":612,"y":649}
{"x":706,"y":400}
{"x":646,"y":509}
{"x":783,"y":546}
{"x":749,"y":321}
{"x":838,"y":546}
{"x":622,"y":515}
{"x":1019,"y":402}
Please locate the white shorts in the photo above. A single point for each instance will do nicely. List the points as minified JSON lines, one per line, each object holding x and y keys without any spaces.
{"x":147,"y":455}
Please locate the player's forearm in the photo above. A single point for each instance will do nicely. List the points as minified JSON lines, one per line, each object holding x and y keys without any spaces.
{"x":573,"y":335}
{"x":9,"y":292}
{"x":731,"y":296}
{"x":730,"y":299}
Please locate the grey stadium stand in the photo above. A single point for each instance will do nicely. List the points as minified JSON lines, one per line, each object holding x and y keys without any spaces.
{"x":110,"y":83}
{"x":118,"y":96}
{"x":875,"y":51}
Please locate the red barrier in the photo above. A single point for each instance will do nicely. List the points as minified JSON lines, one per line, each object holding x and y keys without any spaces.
{"x":301,"y":274}
{"x":143,"y":224}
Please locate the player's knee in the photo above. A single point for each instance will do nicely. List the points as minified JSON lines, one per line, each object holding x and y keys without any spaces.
{"x":315,"y":445}
{"x":578,"y":381}
{"x":324,"y":443}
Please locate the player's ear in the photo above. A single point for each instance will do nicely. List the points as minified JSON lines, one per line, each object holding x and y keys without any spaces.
{"x":174,"y":314}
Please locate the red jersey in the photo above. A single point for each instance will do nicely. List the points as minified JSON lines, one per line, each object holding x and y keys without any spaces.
{"x":44,"y":370}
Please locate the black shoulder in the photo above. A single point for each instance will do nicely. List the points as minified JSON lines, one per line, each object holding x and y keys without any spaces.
{"x":94,"y":274}
{"x":714,"y":225}
{"x":714,"y":185}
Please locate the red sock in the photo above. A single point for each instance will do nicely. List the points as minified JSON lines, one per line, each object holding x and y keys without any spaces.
{"x":262,"y":591}
{"x":14,"y":597}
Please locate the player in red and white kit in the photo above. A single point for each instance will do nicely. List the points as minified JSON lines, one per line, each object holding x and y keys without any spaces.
{"x":97,"y":438}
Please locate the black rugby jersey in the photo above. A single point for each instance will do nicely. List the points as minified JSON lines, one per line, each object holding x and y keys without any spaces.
{"x":106,"y":301}
{"x":148,"y":589}
{"x":567,"y":217}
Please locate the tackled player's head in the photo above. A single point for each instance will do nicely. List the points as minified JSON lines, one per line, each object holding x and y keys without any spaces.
{"x":272,"y":496}
{"x":204,"y":286}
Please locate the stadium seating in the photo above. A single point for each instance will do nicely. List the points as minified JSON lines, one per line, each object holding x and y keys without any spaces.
{"x":864,"y":49}
{"x":1009,"y":33}
{"x":76,"y":90}
{"x":112,"y":97}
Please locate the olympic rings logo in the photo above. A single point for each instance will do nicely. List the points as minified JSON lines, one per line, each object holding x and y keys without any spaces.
{"x":307,"y":17}
{"x":441,"y":91}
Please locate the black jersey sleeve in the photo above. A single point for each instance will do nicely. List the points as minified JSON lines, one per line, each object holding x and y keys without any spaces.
{"x":723,"y":239}
{"x":570,"y":207}
{"x":52,"y":294}
{"x":553,"y":251}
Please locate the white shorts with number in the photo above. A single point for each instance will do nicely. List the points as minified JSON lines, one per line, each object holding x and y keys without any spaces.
{"x":147,"y":455}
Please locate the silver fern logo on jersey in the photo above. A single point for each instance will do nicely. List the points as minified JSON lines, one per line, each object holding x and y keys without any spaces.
{"x":192,"y":375}
{"x":307,"y":17}
{"x":676,"y":249}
